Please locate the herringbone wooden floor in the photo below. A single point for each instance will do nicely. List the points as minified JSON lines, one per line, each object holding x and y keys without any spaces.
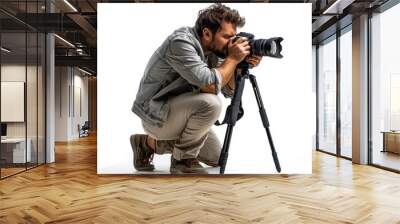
{"x":70,"y":191}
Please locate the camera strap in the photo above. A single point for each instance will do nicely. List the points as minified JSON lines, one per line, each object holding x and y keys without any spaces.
{"x":228,"y":115}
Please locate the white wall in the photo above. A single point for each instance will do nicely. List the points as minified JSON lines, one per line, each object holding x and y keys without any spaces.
{"x":70,"y":83}
{"x":61,"y":103}
{"x":80,"y":83}
{"x":16,"y":73}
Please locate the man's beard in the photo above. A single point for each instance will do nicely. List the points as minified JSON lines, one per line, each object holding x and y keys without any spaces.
{"x":220,"y":53}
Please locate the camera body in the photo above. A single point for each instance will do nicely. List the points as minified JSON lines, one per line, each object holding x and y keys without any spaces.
{"x":262,"y":47}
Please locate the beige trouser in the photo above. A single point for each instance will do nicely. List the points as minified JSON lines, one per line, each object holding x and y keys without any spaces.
{"x":187,"y":131}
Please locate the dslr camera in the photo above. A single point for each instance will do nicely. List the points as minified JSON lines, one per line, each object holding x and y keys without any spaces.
{"x":262,"y":47}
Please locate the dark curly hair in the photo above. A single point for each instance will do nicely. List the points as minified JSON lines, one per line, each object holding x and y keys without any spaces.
{"x":212,"y":17}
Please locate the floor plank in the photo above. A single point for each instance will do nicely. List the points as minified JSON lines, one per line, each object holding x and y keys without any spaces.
{"x":70,"y":191}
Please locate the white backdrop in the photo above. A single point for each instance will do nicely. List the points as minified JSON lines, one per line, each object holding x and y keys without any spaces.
{"x":128,"y":34}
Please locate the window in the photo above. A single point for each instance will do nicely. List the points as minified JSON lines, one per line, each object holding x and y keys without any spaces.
{"x":22,"y":77}
{"x":346,"y":93}
{"x":327,"y":96}
{"x":385,"y":89}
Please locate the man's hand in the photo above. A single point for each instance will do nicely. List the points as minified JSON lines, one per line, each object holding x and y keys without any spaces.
{"x":253,"y":60}
{"x":237,"y":52}
{"x":239,"y":49}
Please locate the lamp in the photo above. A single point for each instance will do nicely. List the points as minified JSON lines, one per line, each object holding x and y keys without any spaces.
{"x":64,"y":40}
{"x":5,"y":50}
{"x":84,"y":71}
{"x":70,"y":5}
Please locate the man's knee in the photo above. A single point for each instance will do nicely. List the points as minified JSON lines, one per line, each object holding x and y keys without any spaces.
{"x":212,"y":104}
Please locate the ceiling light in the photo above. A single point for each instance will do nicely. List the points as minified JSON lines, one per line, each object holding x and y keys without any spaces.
{"x":70,"y":5}
{"x":5,"y":50}
{"x":84,"y":71}
{"x":64,"y":40}
{"x":337,"y":7}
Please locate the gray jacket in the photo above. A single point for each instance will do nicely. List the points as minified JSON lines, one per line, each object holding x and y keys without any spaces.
{"x":177,"y":66}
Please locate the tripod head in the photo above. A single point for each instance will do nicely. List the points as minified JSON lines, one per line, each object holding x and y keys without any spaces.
{"x":243,"y":65}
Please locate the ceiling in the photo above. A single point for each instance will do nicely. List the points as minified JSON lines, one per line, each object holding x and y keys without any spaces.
{"x":76,"y":22}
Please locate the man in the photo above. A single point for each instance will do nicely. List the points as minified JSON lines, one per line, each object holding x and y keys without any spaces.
{"x":177,"y":97}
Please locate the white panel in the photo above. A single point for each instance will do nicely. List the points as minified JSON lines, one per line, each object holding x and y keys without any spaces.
{"x":285,"y":84}
{"x":12,"y":101}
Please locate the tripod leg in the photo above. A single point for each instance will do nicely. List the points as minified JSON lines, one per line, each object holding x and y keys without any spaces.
{"x":231,"y":121}
{"x":223,"y":158}
{"x":265,"y":121}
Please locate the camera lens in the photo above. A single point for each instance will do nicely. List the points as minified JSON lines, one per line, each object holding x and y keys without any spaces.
{"x":267,"y":47}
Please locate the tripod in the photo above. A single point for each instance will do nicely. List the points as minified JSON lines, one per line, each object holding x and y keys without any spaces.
{"x":235,"y":111}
